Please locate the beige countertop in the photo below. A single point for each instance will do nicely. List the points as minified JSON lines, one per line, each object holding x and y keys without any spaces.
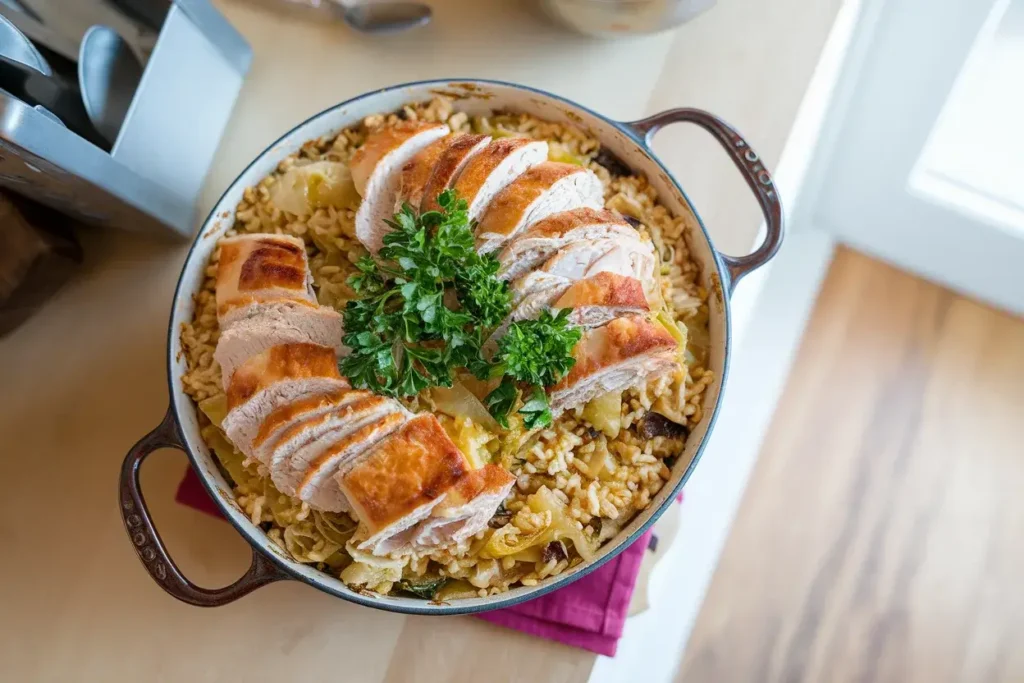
{"x":82,"y":380}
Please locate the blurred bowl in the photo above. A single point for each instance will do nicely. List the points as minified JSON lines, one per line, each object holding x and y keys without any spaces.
{"x":613,"y":18}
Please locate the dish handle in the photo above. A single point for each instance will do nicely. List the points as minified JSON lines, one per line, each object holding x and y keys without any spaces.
{"x":150,"y":548}
{"x":754,"y":173}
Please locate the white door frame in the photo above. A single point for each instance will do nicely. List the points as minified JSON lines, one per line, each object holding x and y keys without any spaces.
{"x":878,"y":124}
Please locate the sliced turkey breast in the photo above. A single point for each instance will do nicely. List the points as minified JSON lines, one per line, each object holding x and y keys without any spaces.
{"x":580,"y":260}
{"x":304,"y":442}
{"x":401,"y":481}
{"x":622,"y":256}
{"x":623,"y":353}
{"x":259,"y":268}
{"x":594,"y":301}
{"x":273,"y":324}
{"x":497,"y":165}
{"x":416,"y":173}
{"x":319,"y":487}
{"x":285,"y":422}
{"x":586,"y":258}
{"x":534,"y":282}
{"x":601,"y":298}
{"x":376,"y":171}
{"x":543,"y":190}
{"x":541,"y":240}
{"x":279,"y":376}
{"x":466,"y":509}
{"x":450,"y":165}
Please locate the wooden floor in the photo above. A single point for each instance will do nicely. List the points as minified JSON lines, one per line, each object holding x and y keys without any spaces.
{"x":882,"y":535}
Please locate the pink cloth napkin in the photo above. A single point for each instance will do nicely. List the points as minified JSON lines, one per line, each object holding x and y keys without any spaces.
{"x":589,"y":613}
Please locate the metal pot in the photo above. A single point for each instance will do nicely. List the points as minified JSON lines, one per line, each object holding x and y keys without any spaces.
{"x":630,"y":142}
{"x":617,"y":18}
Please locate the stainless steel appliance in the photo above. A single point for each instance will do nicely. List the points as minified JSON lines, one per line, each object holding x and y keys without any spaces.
{"x":151,"y":177}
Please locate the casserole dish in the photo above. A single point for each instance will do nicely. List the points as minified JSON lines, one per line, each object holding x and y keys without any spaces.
{"x":627,"y":141}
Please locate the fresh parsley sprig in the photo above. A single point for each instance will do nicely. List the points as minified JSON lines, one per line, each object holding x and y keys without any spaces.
{"x":427,"y":305}
{"x":536,"y":353}
{"x":424,"y":304}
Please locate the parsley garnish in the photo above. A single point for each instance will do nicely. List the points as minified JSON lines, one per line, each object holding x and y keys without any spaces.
{"x":537,"y":353}
{"x":428,"y":304}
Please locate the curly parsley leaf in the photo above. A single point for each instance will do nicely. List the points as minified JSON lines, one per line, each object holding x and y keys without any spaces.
{"x":540,"y":351}
{"x":426,"y":303}
{"x":427,"y":306}
{"x":537,"y":353}
{"x":536,"y":412}
{"x":501,"y":401}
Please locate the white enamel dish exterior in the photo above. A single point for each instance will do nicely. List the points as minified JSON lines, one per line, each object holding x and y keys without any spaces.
{"x":628,"y":142}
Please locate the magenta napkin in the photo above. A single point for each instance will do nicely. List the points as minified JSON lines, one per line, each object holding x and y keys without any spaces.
{"x":589,"y":613}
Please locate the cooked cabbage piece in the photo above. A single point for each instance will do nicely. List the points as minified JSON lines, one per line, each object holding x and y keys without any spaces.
{"x":369,"y":570}
{"x":215,"y":408}
{"x":600,"y":463}
{"x":302,"y":542}
{"x":509,"y":540}
{"x":303,"y":189}
{"x":562,"y":525}
{"x":458,"y":401}
{"x":558,"y":152}
{"x":472,"y":439}
{"x":604,"y":412}
{"x":228,"y":457}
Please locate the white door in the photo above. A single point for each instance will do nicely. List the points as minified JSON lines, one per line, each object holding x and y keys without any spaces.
{"x":926,"y":162}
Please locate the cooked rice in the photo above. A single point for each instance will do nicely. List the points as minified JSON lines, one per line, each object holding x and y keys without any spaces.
{"x":557,"y":458}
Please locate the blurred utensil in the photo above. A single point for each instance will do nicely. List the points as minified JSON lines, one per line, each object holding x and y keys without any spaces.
{"x":149,"y":14}
{"x":16,"y":46}
{"x":28,"y":22}
{"x":18,"y":7}
{"x":385,"y":17}
{"x":49,"y":92}
{"x":108,"y":75}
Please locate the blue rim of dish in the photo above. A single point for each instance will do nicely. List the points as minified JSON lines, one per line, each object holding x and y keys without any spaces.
{"x":555,"y":582}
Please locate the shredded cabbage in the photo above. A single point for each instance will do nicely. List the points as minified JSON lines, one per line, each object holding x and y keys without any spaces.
{"x":370,"y":570}
{"x":305,"y":544}
{"x":472,"y":439}
{"x":500,"y":545}
{"x":303,"y":189}
{"x":215,"y":408}
{"x":604,"y":412}
{"x":458,"y":401}
{"x":562,"y":524}
{"x":558,"y":152}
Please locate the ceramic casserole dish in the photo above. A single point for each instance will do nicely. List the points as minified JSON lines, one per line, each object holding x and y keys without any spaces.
{"x":630,"y":142}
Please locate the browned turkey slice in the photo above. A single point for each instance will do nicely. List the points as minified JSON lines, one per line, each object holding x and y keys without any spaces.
{"x":319,"y":487}
{"x":273,"y":324}
{"x":277,"y":377}
{"x":624,"y":353}
{"x":260,"y":268}
{"x":531,"y":248}
{"x":285,"y":422}
{"x":376,"y":172}
{"x":305,"y":442}
{"x":450,"y":165}
{"x":416,"y":172}
{"x":463,"y":513}
{"x":497,"y":165}
{"x":543,"y":190}
{"x":401,"y":481}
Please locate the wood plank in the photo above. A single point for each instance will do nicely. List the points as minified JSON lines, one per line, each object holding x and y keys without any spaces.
{"x":880,"y":537}
{"x":425,"y":653}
